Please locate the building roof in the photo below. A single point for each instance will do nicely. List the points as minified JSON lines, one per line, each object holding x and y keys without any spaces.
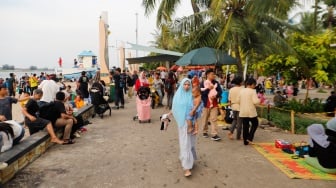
{"x":87,"y":53}
{"x":151,"y":59}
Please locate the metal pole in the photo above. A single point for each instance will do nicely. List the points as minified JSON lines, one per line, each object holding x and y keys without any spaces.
{"x":136,"y":33}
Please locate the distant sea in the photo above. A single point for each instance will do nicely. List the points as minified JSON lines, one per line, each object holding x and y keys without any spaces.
{"x":19,"y":73}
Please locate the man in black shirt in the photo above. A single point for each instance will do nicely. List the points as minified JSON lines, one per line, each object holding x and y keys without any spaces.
{"x":64,"y":120}
{"x":35,"y":123}
{"x":83,"y":83}
{"x":119,"y":85}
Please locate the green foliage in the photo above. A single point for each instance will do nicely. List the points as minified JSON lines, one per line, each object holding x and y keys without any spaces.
{"x":150,"y":66}
{"x":32,"y":68}
{"x":307,"y":106}
{"x":8,"y":67}
{"x":313,"y":58}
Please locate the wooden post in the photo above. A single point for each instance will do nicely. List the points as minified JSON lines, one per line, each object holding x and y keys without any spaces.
{"x":292,"y":122}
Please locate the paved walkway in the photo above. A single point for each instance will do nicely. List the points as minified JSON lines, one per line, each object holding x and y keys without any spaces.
{"x":119,"y":152}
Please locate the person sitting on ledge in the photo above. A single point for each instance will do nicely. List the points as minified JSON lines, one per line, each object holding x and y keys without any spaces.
{"x":322,"y":147}
{"x":36,"y":123}
{"x":279,"y":100}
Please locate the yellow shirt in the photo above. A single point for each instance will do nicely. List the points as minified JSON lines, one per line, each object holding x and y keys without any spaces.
{"x":268,"y":84}
{"x":33,"y":81}
{"x":23,"y":103}
{"x":150,"y":81}
{"x":79,"y":102}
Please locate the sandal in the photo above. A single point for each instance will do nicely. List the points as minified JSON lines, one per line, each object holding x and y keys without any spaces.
{"x":68,"y":141}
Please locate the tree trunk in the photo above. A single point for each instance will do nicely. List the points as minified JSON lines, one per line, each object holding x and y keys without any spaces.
{"x":237,"y":54}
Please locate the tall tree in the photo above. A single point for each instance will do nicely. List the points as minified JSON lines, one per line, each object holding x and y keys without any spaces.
{"x":246,"y":27}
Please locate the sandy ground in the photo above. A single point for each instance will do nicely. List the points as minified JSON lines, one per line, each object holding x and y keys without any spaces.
{"x":119,"y":152}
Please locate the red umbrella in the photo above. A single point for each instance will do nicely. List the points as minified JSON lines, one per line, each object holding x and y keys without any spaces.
{"x":180,"y":69}
{"x":174,"y":68}
{"x":161,"y":68}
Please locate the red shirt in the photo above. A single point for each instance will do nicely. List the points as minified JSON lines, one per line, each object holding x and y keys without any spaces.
{"x":138,"y":84}
{"x":214,"y":103}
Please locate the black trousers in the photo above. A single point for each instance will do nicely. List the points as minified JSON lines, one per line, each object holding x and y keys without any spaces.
{"x":249,"y":130}
{"x":119,"y":97}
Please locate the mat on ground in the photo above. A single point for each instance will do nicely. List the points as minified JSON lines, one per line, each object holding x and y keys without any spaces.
{"x":293,"y":168}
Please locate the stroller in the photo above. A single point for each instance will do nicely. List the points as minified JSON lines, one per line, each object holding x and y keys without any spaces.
{"x":97,"y":99}
{"x":143,"y":103}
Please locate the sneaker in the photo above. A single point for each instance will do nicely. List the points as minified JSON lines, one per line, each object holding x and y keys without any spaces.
{"x":116,"y":107}
{"x":77,"y":135}
{"x":215,"y":138}
{"x":122,"y":107}
{"x":3,"y":165}
{"x":205,"y":135}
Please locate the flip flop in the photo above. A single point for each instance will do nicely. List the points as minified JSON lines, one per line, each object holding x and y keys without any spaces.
{"x":69,"y":141}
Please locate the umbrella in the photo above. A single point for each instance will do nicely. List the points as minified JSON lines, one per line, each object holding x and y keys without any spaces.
{"x":174,"y":68}
{"x":206,"y":56}
{"x":161,"y":68}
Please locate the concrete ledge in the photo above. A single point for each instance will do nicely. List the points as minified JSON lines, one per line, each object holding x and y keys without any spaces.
{"x":31,"y":148}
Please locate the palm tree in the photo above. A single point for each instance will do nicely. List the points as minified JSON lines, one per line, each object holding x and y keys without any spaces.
{"x":166,"y":9}
{"x":248,"y":27}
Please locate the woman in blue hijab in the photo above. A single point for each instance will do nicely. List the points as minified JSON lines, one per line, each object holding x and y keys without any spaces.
{"x":180,"y":108}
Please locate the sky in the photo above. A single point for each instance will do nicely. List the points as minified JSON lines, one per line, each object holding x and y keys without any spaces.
{"x":38,"y":32}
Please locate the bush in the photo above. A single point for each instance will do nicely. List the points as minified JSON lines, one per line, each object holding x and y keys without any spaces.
{"x":308,"y":106}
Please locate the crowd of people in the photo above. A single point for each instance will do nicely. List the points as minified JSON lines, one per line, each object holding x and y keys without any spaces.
{"x":46,"y":103}
{"x":194,"y":99}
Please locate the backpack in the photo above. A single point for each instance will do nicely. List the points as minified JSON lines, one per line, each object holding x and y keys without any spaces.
{"x":228,"y":115}
{"x":122,"y":80}
{"x":143,"y":92}
{"x":168,"y":86}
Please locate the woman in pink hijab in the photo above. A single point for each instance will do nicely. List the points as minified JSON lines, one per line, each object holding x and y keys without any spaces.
{"x":141,"y":81}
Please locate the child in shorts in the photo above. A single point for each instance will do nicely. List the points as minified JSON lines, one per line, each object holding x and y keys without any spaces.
{"x":195,"y":111}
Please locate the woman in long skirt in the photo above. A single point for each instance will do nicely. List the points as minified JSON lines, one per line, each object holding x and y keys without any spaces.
{"x":181,"y":103}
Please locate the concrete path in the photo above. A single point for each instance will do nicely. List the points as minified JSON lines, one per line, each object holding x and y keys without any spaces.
{"x":119,"y":152}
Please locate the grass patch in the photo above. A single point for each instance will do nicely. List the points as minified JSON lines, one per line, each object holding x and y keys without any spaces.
{"x":282,"y":119}
{"x":320,"y":90}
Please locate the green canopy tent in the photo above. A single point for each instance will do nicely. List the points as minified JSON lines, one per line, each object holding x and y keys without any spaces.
{"x":206,"y":56}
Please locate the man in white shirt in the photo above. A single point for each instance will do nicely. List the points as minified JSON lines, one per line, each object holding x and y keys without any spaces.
{"x":247,"y":100}
{"x":163,"y":75}
{"x":233,"y":102}
{"x":49,"y":88}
